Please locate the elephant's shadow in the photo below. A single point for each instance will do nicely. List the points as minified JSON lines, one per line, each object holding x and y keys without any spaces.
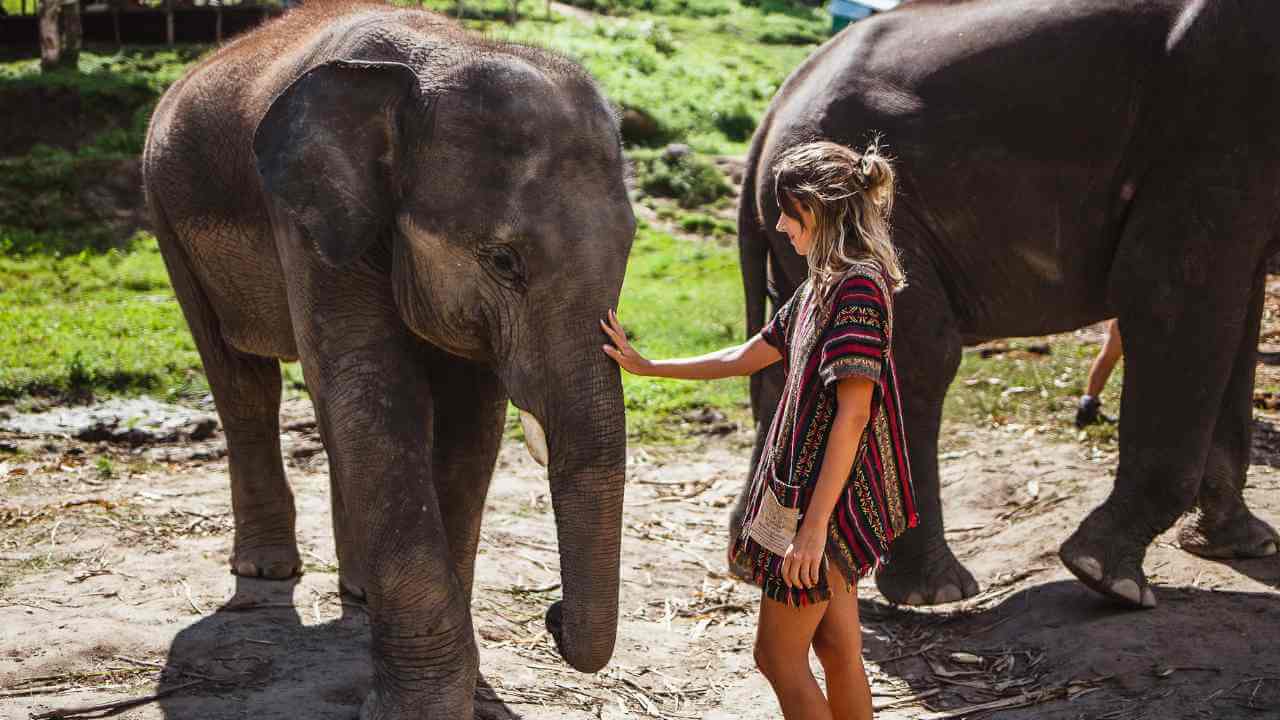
{"x":255,"y":657}
{"x":1201,"y":653}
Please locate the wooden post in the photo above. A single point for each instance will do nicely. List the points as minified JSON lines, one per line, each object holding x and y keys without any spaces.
{"x":217,"y":24}
{"x":115,"y":21}
{"x":50,"y":38}
{"x":168,"y":22}
{"x":60,"y":34}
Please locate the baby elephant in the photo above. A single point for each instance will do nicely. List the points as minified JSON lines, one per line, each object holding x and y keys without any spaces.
{"x":432,"y":222}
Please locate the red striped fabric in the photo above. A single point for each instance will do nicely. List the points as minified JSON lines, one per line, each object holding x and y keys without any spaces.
{"x":823,"y":340}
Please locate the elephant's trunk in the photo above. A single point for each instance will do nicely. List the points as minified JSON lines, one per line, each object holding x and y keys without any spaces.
{"x":586,"y":443}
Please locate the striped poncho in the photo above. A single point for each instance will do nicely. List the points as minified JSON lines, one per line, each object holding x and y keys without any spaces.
{"x":823,"y":340}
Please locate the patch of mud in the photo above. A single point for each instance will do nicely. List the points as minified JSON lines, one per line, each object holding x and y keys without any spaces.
{"x":115,"y":586}
{"x":133,"y":421}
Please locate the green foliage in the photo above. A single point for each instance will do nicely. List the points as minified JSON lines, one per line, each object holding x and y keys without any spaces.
{"x":704,"y":80}
{"x":783,"y":30}
{"x":687,"y":8}
{"x":707,"y":225}
{"x":680,"y":298}
{"x":690,"y":180}
{"x":41,"y":209}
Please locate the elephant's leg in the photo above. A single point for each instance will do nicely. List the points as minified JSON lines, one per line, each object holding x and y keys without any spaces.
{"x":470,"y":412}
{"x":926,"y":347}
{"x":376,"y":403}
{"x":1184,"y":319}
{"x":370,"y":382}
{"x":246,"y":391}
{"x":1221,"y":525}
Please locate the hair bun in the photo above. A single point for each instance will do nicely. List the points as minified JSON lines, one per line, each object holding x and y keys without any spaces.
{"x":877,"y":176}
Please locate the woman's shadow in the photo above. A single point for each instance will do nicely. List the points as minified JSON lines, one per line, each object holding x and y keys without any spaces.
{"x":255,"y":657}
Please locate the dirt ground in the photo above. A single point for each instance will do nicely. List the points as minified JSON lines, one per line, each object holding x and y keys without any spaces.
{"x":114,"y":585}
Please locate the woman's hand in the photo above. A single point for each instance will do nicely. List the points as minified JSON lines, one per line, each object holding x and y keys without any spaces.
{"x":803,"y":561}
{"x":621,"y":350}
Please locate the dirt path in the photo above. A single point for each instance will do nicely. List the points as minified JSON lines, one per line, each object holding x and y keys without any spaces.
{"x":112,"y":586}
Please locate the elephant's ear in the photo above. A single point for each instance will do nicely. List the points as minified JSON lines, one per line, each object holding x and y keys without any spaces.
{"x":325,"y":151}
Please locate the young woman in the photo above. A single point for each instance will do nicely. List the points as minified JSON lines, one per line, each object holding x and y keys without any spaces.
{"x":833,"y":487}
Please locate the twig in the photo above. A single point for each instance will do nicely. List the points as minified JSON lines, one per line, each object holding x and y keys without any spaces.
{"x":885,"y":704}
{"x":117,"y":705}
{"x":134,"y":661}
{"x":904,"y":656}
{"x":190,"y":600}
{"x":37,"y":690}
{"x":1024,"y":700}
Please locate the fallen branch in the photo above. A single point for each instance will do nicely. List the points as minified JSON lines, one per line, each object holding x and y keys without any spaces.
{"x":117,"y":705}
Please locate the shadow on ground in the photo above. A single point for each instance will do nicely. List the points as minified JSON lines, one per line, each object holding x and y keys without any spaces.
{"x":1115,"y":663}
{"x":261,"y":660}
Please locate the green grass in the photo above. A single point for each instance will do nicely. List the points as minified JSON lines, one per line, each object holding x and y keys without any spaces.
{"x":680,"y":298}
{"x":81,"y":313}
{"x":705,"y":78}
{"x":1037,"y":393}
{"x":108,"y":324}
{"x":105,"y":323}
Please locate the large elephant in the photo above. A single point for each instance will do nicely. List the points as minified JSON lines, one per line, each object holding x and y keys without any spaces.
{"x":1062,"y":162}
{"x":433,"y":223}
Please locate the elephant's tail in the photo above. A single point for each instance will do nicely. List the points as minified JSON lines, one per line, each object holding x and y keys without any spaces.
{"x":753,"y":249}
{"x":753,"y":253}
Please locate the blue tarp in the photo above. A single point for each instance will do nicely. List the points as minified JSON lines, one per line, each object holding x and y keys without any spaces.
{"x":844,"y":12}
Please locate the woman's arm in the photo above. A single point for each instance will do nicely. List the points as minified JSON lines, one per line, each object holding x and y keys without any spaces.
{"x":745,"y":359}
{"x":853,"y":409}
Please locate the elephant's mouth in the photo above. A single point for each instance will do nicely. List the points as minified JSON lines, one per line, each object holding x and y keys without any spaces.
{"x":535,"y":438}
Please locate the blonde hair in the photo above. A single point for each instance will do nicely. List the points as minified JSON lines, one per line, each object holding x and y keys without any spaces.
{"x":850,"y":194}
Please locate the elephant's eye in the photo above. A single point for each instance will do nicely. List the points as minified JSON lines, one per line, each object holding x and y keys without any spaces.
{"x":505,"y":265}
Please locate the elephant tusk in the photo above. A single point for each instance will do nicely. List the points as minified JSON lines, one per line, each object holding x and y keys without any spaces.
{"x":535,"y":438}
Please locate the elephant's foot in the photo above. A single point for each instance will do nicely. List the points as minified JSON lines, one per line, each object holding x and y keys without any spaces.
{"x":1244,"y":535}
{"x":1101,"y":558}
{"x":379,"y":705}
{"x":272,"y":562}
{"x":932,"y":577}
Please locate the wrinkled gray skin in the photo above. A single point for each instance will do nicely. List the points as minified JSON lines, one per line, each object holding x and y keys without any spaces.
{"x":1062,"y":163}
{"x":433,"y":223}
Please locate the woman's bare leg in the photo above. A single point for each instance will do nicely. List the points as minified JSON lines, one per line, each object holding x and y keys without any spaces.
{"x":838,"y":644}
{"x":1106,"y":360}
{"x":783,"y":639}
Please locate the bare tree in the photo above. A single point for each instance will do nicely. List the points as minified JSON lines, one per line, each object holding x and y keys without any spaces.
{"x":59,"y":34}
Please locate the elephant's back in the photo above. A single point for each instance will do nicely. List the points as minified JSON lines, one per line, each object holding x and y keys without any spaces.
{"x":1011,"y":123}
{"x":200,"y":172}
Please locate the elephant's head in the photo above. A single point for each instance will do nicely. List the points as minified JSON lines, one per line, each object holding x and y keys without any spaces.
{"x":497,"y":188}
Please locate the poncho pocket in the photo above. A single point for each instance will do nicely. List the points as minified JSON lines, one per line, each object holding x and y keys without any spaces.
{"x":774,"y":526}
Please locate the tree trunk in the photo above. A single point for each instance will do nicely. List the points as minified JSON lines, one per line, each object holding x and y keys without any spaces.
{"x":59,"y":34}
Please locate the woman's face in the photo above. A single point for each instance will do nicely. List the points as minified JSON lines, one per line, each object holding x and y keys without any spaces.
{"x":798,"y":230}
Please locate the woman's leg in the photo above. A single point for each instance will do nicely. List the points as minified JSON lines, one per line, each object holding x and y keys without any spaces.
{"x":838,"y":644}
{"x":783,"y":639}
{"x":1106,"y":360}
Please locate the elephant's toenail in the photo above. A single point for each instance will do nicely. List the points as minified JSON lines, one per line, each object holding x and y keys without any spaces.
{"x":1090,"y":567}
{"x":246,"y":569}
{"x":914,"y":598}
{"x":1127,"y":589}
{"x":948,"y":593}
